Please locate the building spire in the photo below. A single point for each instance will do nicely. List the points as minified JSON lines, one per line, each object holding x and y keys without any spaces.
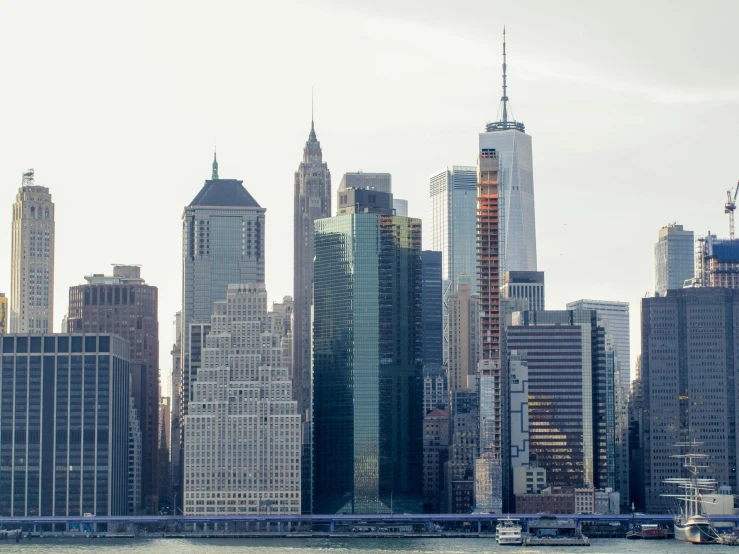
{"x":506,"y":120}
{"x":504,"y":98}
{"x":214,"y":176}
{"x":312,"y":136}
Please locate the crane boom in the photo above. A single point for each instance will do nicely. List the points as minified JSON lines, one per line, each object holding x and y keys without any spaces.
{"x":730,"y":207}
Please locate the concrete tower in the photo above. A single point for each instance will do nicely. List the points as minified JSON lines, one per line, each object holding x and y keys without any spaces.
{"x":32,"y":270}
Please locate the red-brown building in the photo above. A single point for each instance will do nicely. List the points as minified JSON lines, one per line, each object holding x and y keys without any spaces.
{"x":125,"y":305}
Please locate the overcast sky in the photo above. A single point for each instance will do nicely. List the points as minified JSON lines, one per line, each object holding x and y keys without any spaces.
{"x":633,"y":108}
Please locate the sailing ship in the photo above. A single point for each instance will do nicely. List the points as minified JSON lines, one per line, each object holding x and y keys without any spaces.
{"x":508,"y":531}
{"x":690,"y":524}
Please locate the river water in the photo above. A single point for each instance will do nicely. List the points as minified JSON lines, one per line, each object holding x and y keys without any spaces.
{"x":339,"y":546}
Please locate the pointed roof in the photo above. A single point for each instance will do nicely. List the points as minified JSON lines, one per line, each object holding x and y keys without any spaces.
{"x":224,"y":192}
{"x":312,"y":135}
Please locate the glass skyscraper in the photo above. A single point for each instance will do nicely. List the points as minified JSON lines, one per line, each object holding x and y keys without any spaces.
{"x":367,"y":362}
{"x":64,"y":403}
{"x":674,"y":258}
{"x":432,"y":307}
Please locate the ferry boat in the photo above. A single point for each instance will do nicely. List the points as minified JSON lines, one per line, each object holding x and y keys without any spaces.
{"x":508,"y":531}
{"x":690,"y":525}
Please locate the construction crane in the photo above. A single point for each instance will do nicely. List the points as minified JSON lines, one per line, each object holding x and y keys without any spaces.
{"x":729,"y":208}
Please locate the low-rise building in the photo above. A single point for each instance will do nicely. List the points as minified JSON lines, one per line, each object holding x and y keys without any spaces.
{"x":552,"y":500}
{"x":529,"y":479}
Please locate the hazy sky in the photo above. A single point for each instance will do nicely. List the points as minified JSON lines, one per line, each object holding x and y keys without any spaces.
{"x":633,"y":108}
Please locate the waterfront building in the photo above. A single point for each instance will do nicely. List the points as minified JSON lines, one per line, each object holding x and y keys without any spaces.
{"x":436,"y":438}
{"x":64,"y":402}
{"x":3,"y":313}
{"x":568,"y":390}
{"x":122,"y":303}
{"x":223,"y":233}
{"x":688,"y":385}
{"x":527,"y":285}
{"x":367,"y":359}
{"x":551,"y":500}
{"x":452,"y":231}
{"x":464,"y":345}
{"x":400,"y":206}
{"x":32,"y":262}
{"x":378,"y":182}
{"x":674,"y":258}
{"x":242,"y":431}
{"x":432,"y":307}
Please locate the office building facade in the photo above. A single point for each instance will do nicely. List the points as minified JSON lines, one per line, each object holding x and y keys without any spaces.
{"x":124,"y":304}
{"x":242,"y":417}
{"x":64,"y":402}
{"x":717,"y":262}
{"x":688,"y":386}
{"x":379,"y":182}
{"x":436,"y":437}
{"x":223,"y":233}
{"x":527,"y":285}
{"x":452,"y":231}
{"x":464,"y":334}
{"x":32,"y":262}
{"x":568,"y":403}
{"x":432,"y":307}
{"x":674,"y":258}
{"x":367,"y":363}
{"x":312,"y":194}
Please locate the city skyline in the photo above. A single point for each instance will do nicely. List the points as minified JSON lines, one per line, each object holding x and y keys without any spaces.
{"x":635,"y":126}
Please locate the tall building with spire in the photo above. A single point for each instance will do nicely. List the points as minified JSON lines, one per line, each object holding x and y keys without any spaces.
{"x":222,"y":244}
{"x":32,"y":266}
{"x":517,"y":222}
{"x":312,"y":201}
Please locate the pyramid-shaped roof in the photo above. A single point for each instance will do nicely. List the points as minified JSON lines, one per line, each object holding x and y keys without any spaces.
{"x":224,"y":192}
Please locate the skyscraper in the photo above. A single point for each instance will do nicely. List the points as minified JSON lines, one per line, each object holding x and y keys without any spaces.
{"x":464,"y":334}
{"x":507,"y":137}
{"x":64,"y":403}
{"x":242,"y":417}
{"x":367,"y":360}
{"x":452,"y":231}
{"x":674,"y":258}
{"x":312,"y":201}
{"x":562,"y":355}
{"x":688,"y":387}
{"x":32,"y":265}
{"x":400,"y":206}
{"x":222,"y":243}
{"x":432,"y":308}
{"x":124,"y":304}
{"x":615,"y":318}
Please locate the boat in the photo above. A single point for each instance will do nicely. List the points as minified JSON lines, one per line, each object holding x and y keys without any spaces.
{"x":648,"y":531}
{"x":508,"y":531}
{"x":690,"y":524}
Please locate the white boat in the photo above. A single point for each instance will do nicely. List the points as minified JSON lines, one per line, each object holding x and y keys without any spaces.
{"x":508,"y":531}
{"x":690,"y":524}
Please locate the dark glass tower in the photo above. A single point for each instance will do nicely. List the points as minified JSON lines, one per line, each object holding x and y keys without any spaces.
{"x":64,"y":420}
{"x":432,"y":308}
{"x":367,"y":366}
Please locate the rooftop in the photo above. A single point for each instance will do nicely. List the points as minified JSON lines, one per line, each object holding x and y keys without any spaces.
{"x":224,"y":192}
